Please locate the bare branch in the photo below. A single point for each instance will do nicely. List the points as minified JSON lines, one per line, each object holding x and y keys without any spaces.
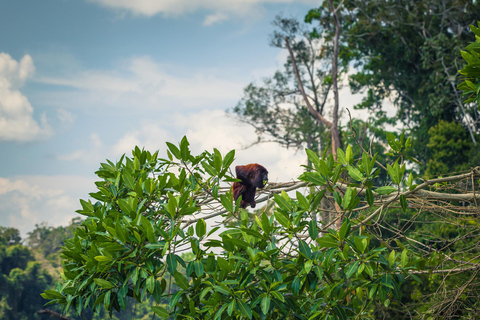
{"x":314,"y":112}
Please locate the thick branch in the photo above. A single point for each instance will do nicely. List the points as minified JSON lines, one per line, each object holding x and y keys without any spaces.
{"x":314,"y":112}
{"x":476,"y":267}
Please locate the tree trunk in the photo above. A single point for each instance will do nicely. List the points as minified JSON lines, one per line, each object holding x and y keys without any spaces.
{"x":336,"y":142}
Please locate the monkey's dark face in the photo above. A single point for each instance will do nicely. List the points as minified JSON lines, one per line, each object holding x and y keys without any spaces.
{"x":261,"y":177}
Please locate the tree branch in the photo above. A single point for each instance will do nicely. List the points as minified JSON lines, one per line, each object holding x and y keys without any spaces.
{"x":314,"y":112}
{"x":52,"y":314}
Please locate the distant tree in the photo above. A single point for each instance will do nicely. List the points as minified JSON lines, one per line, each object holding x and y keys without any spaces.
{"x":21,"y":279}
{"x":9,"y":235}
{"x":408,"y":52}
{"x":450,"y":148}
{"x":290,"y":107}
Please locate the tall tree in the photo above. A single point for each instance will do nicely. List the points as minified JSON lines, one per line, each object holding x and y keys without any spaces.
{"x":289,"y":108}
{"x":409,"y":52}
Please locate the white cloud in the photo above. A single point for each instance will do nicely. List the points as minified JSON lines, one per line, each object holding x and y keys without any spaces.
{"x":93,"y":153}
{"x":65,"y":116}
{"x":177,"y":7}
{"x":150,"y":136}
{"x":30,"y":200}
{"x":205,"y":130}
{"x":16,"y":112}
{"x":142,"y":83}
{"x":214,"y":18}
{"x":215,"y":129}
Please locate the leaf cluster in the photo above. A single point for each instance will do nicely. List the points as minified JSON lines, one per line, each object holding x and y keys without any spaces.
{"x":287,"y":265}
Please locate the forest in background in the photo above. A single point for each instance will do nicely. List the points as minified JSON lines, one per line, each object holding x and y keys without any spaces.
{"x":404,"y":52}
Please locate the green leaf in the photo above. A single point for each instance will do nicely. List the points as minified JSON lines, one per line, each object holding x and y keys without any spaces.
{"x":404,"y":258}
{"x":355,"y":173}
{"x":198,"y":267}
{"x":349,"y":154}
{"x":251,"y":232}
{"x":245,"y":309}
{"x":148,"y":228}
{"x":217,"y":160}
{"x":184,"y":151}
{"x":171,"y":263}
{"x":174,"y":299}
{"x":218,"y":315}
{"x":155,"y":245}
{"x":386,"y":303}
{"x":359,"y":244}
{"x":181,"y":281}
{"x":313,"y":229}
{"x":327,"y":241}
{"x":296,"y":285}
{"x":228,"y":159}
{"x":302,"y":201}
{"x":161,"y":312}
{"x":313,"y":157}
{"x":265,"y":304}
{"x":352,"y":269}
{"x":174,"y":150}
{"x":316,"y":201}
{"x":104,"y":283}
{"x":231,"y":307}
{"x":222,"y":290}
{"x":313,"y":177}
{"x":340,"y":312}
{"x":391,"y":258}
{"x":344,"y":229}
{"x":370,"y":199}
{"x":150,"y":283}
{"x":337,"y":197}
{"x":204,"y":292}
{"x":278,"y":296}
{"x":282,"y":202}
{"x":209,"y":168}
{"x":341,"y":156}
{"x":223,"y":264}
{"x":336,"y":174}
{"x":103,"y":258}
{"x":403,"y":202}
{"x":226,"y":202}
{"x":52,"y":294}
{"x":385,"y":190}
{"x":282,"y":219}
{"x":305,"y":249}
{"x":200,"y":228}
{"x":394,"y":144}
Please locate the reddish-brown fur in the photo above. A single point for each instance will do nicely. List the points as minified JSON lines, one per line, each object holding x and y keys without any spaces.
{"x":252,"y":176}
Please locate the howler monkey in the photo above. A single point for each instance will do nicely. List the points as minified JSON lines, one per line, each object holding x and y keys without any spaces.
{"x":253,"y":176}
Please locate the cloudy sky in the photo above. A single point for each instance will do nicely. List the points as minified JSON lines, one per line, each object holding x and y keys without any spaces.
{"x":86,"y":80}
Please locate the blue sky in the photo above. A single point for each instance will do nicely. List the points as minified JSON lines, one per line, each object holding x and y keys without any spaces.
{"x":87,"y":80}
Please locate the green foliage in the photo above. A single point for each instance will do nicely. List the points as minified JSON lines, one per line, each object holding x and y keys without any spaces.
{"x":21,"y":279}
{"x":407,"y":52}
{"x":272,"y":267}
{"x":9,"y":235}
{"x":471,"y":72}
{"x":450,"y":147}
{"x":46,"y":241}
